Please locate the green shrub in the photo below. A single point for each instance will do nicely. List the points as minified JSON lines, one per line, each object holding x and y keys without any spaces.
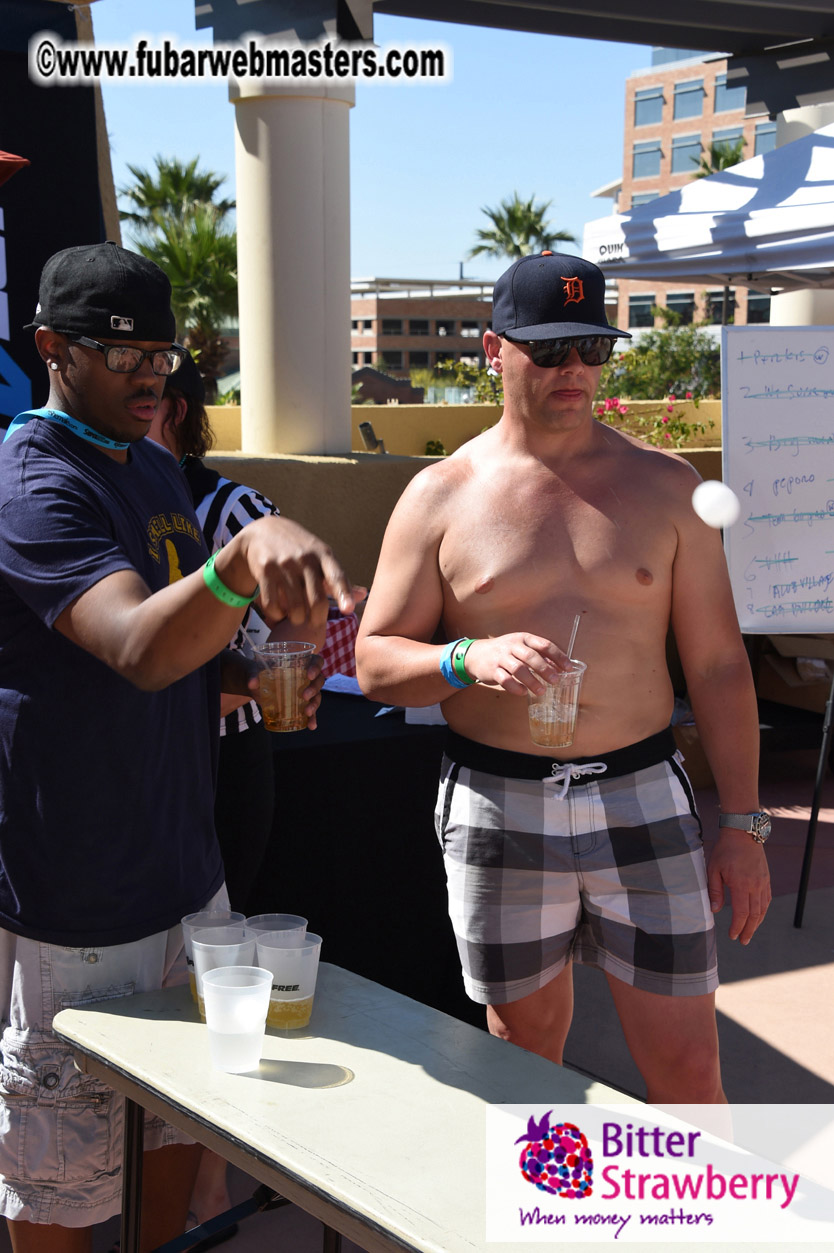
{"x":673,"y":359}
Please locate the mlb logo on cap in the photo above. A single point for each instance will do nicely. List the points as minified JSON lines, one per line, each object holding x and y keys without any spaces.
{"x":121,"y":324}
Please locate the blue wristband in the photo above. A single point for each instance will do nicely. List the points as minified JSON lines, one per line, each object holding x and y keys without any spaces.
{"x":447,"y":667}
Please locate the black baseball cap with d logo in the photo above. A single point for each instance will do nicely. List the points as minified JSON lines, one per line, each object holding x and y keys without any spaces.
{"x":549,"y":295}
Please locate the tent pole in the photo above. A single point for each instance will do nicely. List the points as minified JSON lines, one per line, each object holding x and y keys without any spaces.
{"x":815,"y":809}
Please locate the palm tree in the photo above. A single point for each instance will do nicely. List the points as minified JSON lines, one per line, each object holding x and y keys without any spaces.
{"x":721,"y":156}
{"x":199,"y":255}
{"x":172,"y":189}
{"x":177,"y":223}
{"x":518,"y":228}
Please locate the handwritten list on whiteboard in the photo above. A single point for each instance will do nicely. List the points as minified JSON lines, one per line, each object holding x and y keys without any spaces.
{"x":778,"y":456}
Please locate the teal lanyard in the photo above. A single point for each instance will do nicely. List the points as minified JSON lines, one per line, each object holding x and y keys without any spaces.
{"x":64,"y":419}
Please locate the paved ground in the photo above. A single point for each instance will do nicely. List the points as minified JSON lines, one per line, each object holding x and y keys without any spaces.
{"x":775,"y":1003}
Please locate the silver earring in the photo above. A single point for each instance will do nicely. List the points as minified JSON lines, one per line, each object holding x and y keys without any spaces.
{"x":53,"y":365}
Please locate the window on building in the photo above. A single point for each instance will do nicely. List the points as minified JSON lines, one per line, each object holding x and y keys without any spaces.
{"x":445,"y":328}
{"x":758,"y":307}
{"x":648,"y":106}
{"x":645,"y":159}
{"x":470,"y":330}
{"x":686,"y":153}
{"x":369,"y":358}
{"x":640,"y":310}
{"x":440,"y":357}
{"x":355,"y":357}
{"x":643,"y":197}
{"x":728,"y":136}
{"x":715,"y":307}
{"x":682,"y":303}
{"x":392,"y":326}
{"x":728,"y":96}
{"x":354,"y":325}
{"x":765,"y":140}
{"x":392,"y":359}
{"x":689,"y":99}
{"x":420,"y":359}
{"x":418,"y":326}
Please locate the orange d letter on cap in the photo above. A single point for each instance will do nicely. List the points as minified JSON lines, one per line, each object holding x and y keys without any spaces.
{"x":574,"y":292}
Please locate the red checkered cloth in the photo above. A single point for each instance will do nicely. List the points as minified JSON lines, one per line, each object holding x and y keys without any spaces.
{"x":338,"y":654}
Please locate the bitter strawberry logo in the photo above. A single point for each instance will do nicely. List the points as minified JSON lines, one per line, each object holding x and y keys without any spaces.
{"x":557,"y":1159}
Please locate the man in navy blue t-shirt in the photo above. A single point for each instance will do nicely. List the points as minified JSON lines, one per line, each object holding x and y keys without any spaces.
{"x":111,"y":623}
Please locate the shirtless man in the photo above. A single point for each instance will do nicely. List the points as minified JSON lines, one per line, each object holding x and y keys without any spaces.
{"x":546,"y":515}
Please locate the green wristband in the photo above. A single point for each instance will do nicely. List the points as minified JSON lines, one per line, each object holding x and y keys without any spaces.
{"x":458,"y":658}
{"x":219,"y":589}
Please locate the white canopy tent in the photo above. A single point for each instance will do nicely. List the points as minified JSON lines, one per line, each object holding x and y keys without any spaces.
{"x":766,"y":223}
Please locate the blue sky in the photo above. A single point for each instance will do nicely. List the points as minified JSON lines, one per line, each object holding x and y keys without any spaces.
{"x":529,"y":113}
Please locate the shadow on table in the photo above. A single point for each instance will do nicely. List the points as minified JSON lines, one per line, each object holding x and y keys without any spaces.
{"x":317,"y":1075}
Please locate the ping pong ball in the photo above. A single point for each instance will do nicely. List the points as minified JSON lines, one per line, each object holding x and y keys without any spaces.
{"x":716,"y":504}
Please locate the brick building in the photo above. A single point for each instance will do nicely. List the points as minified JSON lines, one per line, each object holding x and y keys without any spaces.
{"x":674,"y":111}
{"x":400,"y":324}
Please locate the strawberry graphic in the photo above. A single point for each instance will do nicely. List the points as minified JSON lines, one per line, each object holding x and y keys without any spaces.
{"x":557,"y":1159}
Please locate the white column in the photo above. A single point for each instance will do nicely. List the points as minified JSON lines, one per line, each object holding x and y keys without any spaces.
{"x":293,"y":223}
{"x":809,"y":306}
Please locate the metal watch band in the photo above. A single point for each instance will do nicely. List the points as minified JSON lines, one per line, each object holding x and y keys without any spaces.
{"x":756,"y":824}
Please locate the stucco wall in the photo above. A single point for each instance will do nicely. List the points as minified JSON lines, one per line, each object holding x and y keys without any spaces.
{"x":405,"y":429}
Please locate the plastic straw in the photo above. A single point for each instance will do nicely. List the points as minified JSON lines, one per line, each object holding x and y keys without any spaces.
{"x":248,"y":638}
{"x":573,"y":636}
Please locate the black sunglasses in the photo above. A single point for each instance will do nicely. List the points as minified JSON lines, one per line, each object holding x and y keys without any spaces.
{"x":592,"y":349}
{"x":126,"y":359}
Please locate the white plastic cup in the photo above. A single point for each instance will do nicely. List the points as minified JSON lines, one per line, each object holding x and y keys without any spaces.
{"x":292,"y":926}
{"x":220,"y":946}
{"x":198,"y":922}
{"x":282,"y":676}
{"x":552,"y":713}
{"x":237,"y":998}
{"x":294,"y":969}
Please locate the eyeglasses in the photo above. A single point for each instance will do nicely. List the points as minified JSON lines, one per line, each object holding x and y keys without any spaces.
{"x":592,"y":349}
{"x":126,"y":359}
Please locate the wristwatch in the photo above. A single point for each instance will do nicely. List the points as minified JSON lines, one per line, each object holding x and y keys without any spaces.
{"x":757,"y":825}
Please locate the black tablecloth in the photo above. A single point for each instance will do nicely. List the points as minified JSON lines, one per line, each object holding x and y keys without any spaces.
{"x":354,"y":849}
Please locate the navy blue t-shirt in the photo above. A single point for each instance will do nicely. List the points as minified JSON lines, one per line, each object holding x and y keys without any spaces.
{"x":106,"y":792}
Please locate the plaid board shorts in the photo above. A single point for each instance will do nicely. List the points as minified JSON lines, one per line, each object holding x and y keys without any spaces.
{"x":599,"y":861}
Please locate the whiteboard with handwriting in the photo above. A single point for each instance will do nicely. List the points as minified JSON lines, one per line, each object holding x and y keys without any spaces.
{"x":777,"y":385}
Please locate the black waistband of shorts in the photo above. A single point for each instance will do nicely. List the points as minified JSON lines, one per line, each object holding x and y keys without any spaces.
{"x":500,"y":761}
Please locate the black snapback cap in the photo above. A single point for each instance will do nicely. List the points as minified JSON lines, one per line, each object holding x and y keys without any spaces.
{"x":106,"y":292}
{"x":549,"y":295}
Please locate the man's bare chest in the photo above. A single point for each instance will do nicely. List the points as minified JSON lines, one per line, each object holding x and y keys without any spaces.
{"x":527,"y":545}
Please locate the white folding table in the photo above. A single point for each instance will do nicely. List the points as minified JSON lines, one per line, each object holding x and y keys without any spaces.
{"x":372,"y":1118}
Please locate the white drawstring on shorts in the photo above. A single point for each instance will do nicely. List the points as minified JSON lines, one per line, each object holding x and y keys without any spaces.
{"x":571,"y":770}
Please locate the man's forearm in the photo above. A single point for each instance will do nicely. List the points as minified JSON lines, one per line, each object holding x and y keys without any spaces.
{"x":153,"y":639}
{"x":399,"y":671}
{"x":726,"y":714}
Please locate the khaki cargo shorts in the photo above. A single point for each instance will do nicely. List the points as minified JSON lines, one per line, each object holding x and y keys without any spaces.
{"x":60,"y":1130}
